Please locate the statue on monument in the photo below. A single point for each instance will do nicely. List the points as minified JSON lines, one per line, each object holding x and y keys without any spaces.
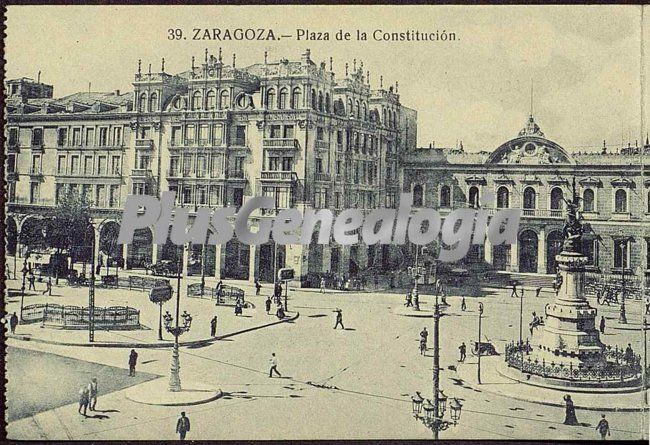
{"x":573,"y":228}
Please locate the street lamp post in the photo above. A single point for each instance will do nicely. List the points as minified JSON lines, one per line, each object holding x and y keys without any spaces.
{"x":91,"y":288}
{"x":435,"y":411}
{"x":478,"y":344}
{"x":521,"y":324}
{"x":22,"y":289}
{"x":177,"y":331}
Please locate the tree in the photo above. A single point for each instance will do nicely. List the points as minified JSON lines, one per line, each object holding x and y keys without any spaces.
{"x":68,"y":224}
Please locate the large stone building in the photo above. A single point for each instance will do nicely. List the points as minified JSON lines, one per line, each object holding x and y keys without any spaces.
{"x":217,"y":135}
{"x":535,"y":174}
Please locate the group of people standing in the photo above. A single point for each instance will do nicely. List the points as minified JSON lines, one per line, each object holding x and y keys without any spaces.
{"x":88,"y":397}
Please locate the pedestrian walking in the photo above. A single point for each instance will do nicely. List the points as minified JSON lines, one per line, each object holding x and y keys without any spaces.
{"x":569,"y":412}
{"x":183,"y":426}
{"x":13,"y":322}
{"x":133,"y":360}
{"x":258,"y":287}
{"x":322,"y":285}
{"x":84,"y":397}
{"x":268,"y":304}
{"x":537,"y":292}
{"x":92,"y":391}
{"x":514,"y":290}
{"x":463,"y":305}
{"x":462,"y":349}
{"x":32,"y":280}
{"x":409,"y":301}
{"x":213,"y":326}
{"x":603,"y":428}
{"x":339,"y":318}
{"x":48,"y":286}
{"x":238,"y":308}
{"x":423,"y":340}
{"x":602,"y":324}
{"x":273,"y":362}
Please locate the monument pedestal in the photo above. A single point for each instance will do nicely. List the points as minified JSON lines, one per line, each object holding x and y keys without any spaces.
{"x":570,"y":335}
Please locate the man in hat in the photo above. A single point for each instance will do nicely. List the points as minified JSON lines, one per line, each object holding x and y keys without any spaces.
{"x":603,"y":428}
{"x":213,"y":326}
{"x":133,"y":360}
{"x":339,"y":318}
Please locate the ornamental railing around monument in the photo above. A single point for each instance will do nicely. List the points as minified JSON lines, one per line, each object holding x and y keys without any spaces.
{"x":620,"y":366}
{"x":76,"y":317}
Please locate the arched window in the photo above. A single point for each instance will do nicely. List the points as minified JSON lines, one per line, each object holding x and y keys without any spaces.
{"x":142,"y":102}
{"x":445,"y":196}
{"x":224,"y":100}
{"x":296,"y":98}
{"x":314,"y":100}
{"x":530,"y":201}
{"x":503,"y":198}
{"x":196,"y":101}
{"x":328,"y":105}
{"x":417,"y":196}
{"x":350,"y":108}
{"x":153,"y":102}
{"x":473,"y":196}
{"x":588,"y":200}
{"x":556,"y":199}
{"x":270,"y":99}
{"x":357,"y":110}
{"x":211,"y":100}
{"x":282,"y":99}
{"x":384,"y":118}
{"x":620,"y":201}
{"x":648,"y":211}
{"x":365,"y":112}
{"x":321,"y":107}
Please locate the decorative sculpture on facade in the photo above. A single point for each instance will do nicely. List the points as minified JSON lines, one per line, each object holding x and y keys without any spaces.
{"x":573,"y":228}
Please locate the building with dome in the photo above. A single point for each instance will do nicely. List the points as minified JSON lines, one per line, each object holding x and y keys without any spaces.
{"x":535,"y":174}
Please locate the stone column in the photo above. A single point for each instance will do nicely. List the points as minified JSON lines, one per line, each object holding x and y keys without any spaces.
{"x":514,"y":257}
{"x":488,"y":251}
{"x":217,"y":261}
{"x":541,"y":251}
{"x":253,"y":263}
{"x":327,"y":258}
{"x":185,"y":259}
{"x":156,"y":252}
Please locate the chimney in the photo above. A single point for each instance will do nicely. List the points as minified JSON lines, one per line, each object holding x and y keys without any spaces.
{"x":117,"y":92}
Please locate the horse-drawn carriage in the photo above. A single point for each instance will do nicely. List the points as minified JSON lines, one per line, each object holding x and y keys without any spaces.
{"x":484,"y":348}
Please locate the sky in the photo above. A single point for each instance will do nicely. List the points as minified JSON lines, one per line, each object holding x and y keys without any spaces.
{"x":583,"y":62}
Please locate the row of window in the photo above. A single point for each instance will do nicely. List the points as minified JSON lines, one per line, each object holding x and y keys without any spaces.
{"x":88,"y":165}
{"x":588,"y":201}
{"x":75,"y":137}
{"x":98,"y":195}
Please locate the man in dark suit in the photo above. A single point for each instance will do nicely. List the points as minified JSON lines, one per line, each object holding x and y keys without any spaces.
{"x":183,"y":426}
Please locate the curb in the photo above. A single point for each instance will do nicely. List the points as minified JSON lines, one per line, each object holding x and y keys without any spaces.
{"x":557,"y":404}
{"x":152,"y":345}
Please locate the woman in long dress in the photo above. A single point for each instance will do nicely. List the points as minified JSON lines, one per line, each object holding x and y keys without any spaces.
{"x":570,"y":412}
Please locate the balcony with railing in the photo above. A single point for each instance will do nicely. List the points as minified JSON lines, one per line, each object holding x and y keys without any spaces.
{"x":282,"y":176}
{"x":205,"y":114}
{"x":281,"y":143}
{"x":237,"y":174}
{"x":324,"y":177}
{"x":141,"y":173}
{"x":144,"y":143}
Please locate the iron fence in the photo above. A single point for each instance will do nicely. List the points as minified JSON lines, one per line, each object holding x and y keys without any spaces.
{"x":619,"y":366}
{"x":228,"y":295}
{"x":76,"y":317}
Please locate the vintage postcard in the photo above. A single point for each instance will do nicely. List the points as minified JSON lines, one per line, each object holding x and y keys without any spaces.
{"x":383,"y":222}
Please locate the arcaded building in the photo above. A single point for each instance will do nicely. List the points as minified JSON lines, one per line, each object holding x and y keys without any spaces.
{"x":216,"y":134}
{"x":535,"y":174}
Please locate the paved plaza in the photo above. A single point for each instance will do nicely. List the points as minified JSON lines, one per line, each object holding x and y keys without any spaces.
{"x":352,"y":383}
